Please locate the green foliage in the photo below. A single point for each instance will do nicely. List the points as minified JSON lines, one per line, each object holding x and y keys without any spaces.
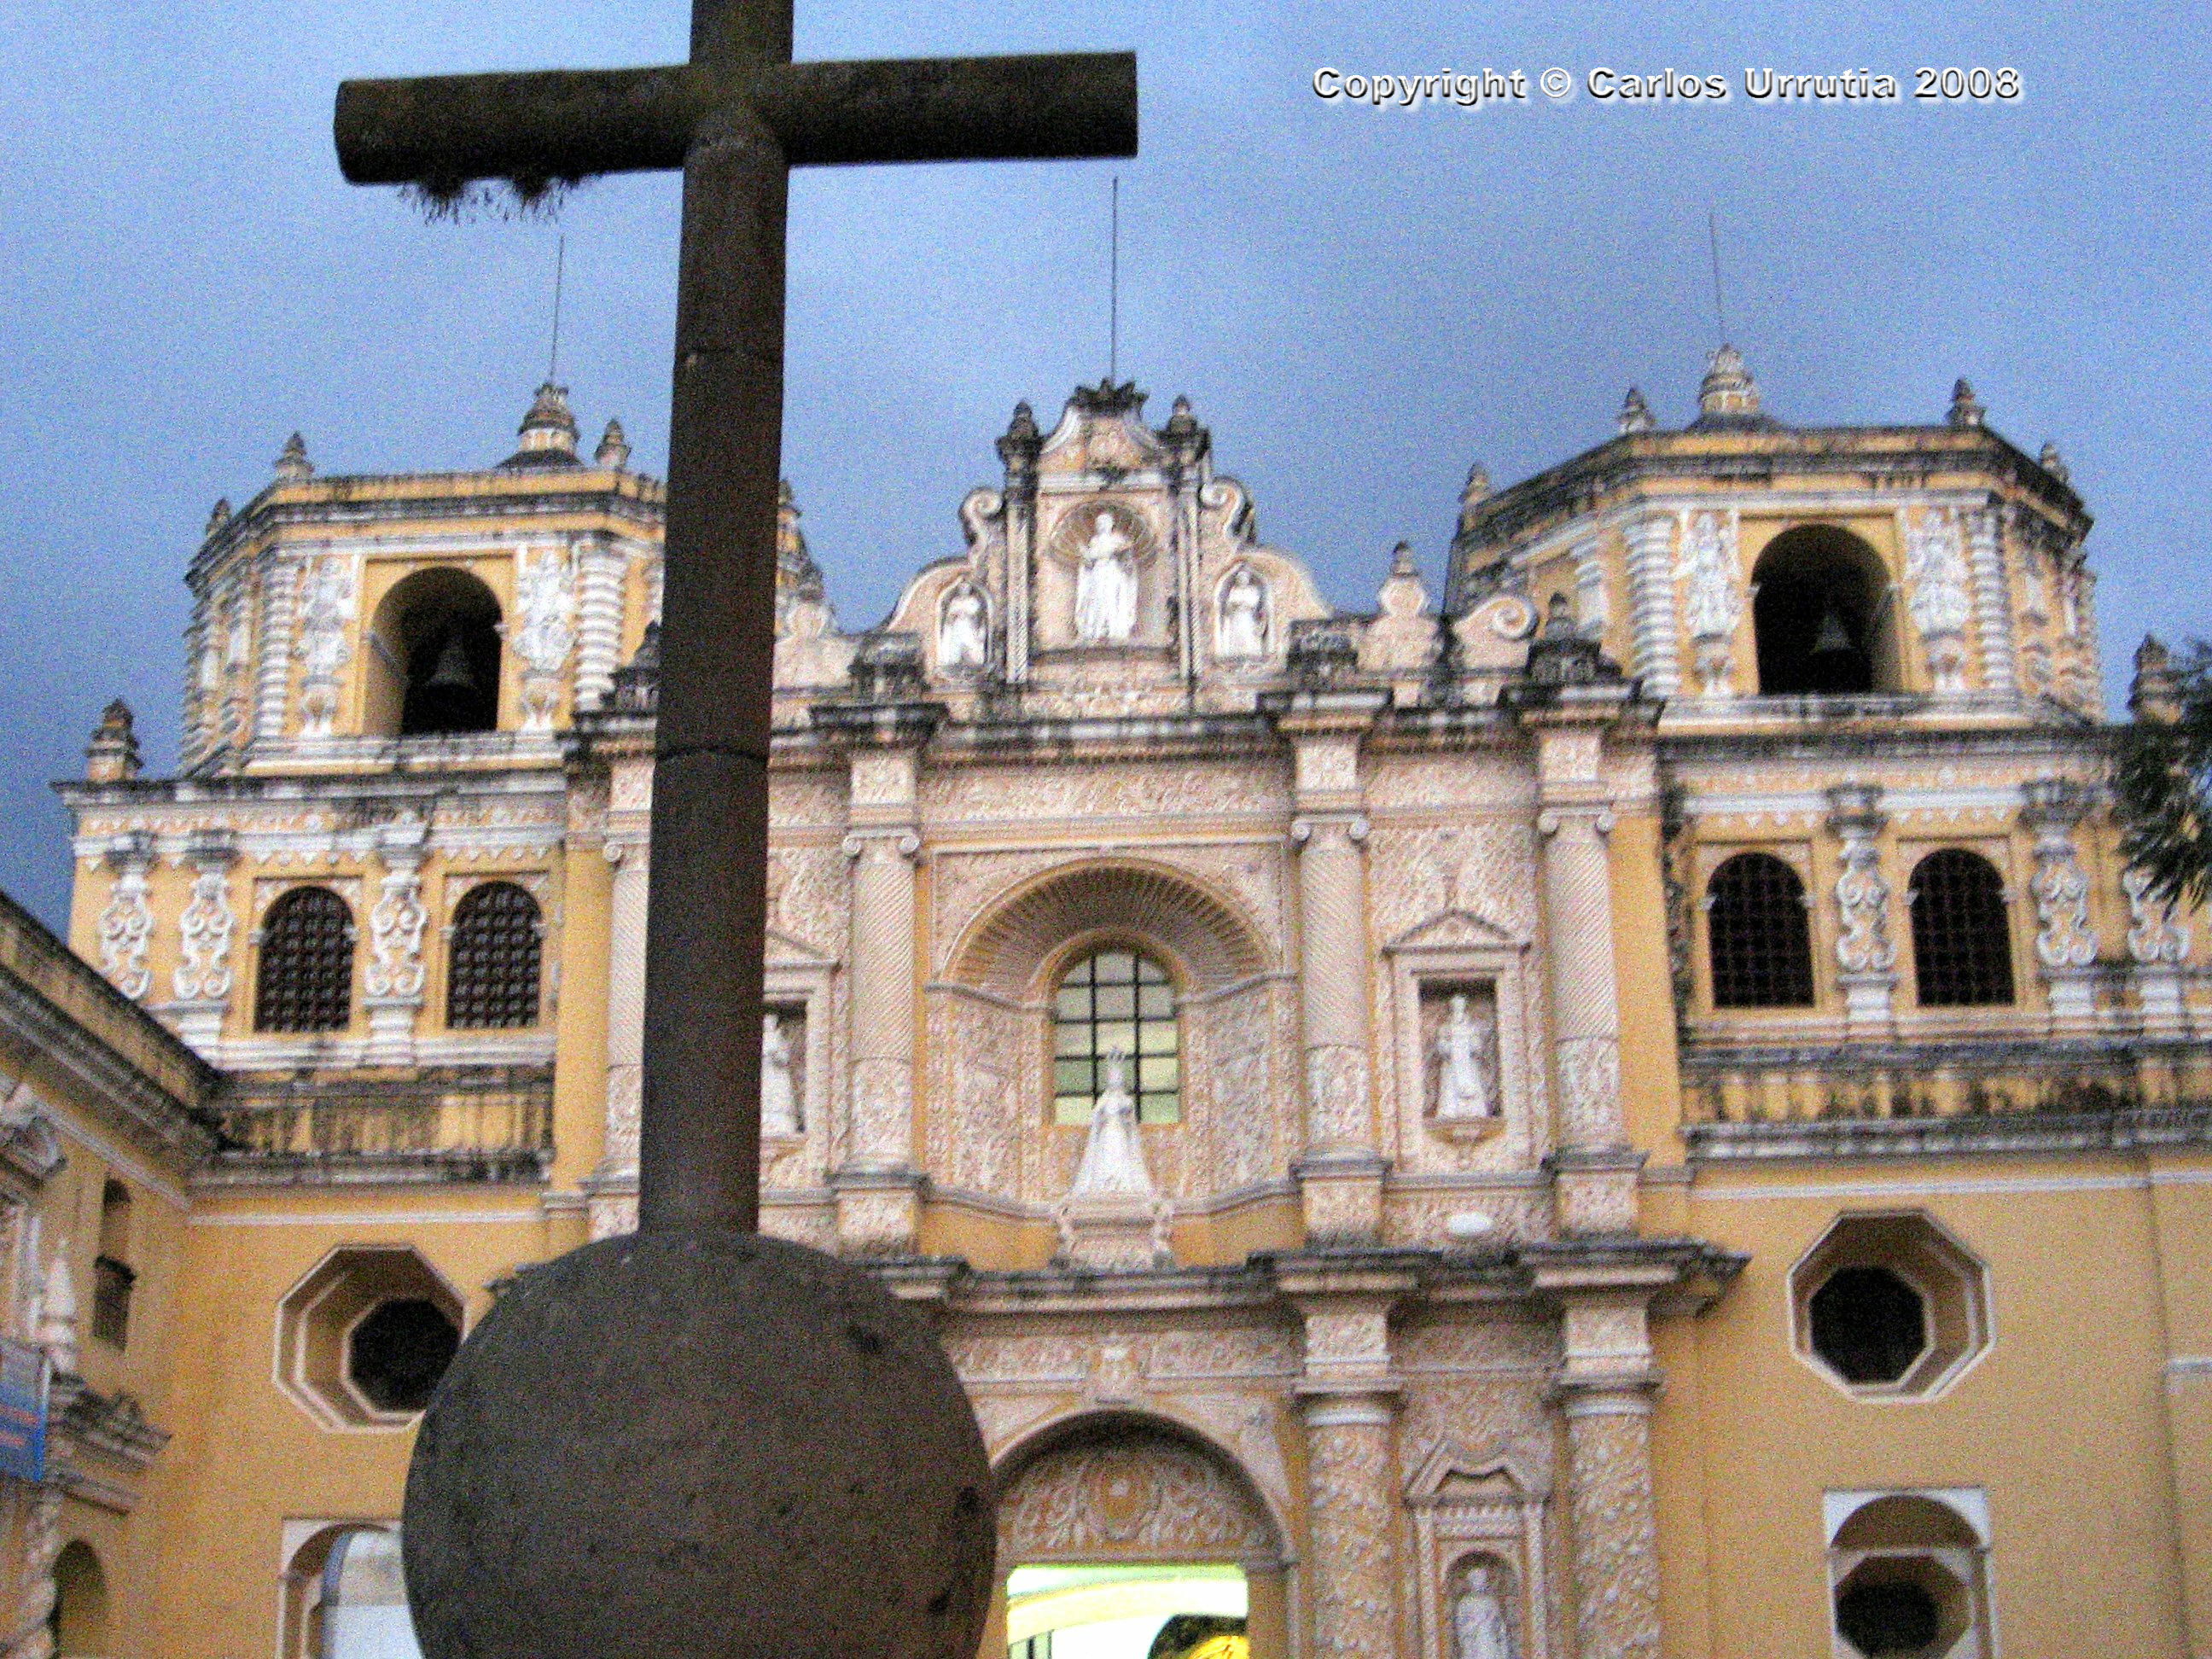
{"x":2162,"y":780}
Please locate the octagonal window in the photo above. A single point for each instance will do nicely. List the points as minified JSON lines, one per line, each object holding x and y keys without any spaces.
{"x":398,"y":1351}
{"x":1869,"y":1324}
{"x":1908,"y":1574}
{"x":1889,"y":1306}
{"x":364,"y":1339}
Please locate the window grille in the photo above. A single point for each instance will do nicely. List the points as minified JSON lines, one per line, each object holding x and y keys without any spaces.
{"x":492,"y":981}
{"x":305,"y":982}
{"x":1116,"y":1000}
{"x":1961,"y":937}
{"x":1760,"y":947}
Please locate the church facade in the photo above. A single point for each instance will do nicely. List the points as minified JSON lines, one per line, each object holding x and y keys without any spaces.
{"x":1627,"y":1108}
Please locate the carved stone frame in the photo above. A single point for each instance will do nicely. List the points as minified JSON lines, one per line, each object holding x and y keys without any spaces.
{"x":796,"y":977}
{"x":1465,"y":1505}
{"x":1462,"y":949}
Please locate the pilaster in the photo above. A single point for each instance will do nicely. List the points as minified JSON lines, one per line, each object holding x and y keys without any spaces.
{"x":280,"y":581}
{"x":2158,"y":949}
{"x":1992,"y":603}
{"x":1341,"y":1170}
{"x":202,"y":978}
{"x":395,"y":975}
{"x":1651,"y":603}
{"x":1865,"y":957}
{"x":599,"y":571}
{"x":2065,"y":937}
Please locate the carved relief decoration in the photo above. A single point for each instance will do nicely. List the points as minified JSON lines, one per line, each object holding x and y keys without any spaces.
{"x":1941,"y":602}
{"x":203,"y":971}
{"x":1712,"y":598}
{"x":396,"y":922}
{"x":2154,"y":936}
{"x":1863,"y":944}
{"x":545,"y":610}
{"x":127,"y":924}
{"x":1131,"y":1493}
{"x":2065,"y":937}
{"x":326,"y":609}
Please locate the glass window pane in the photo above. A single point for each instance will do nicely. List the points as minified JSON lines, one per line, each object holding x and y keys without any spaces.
{"x":1157,"y":1037}
{"x":1116,"y":1002}
{"x":1070,"y":1077}
{"x":1117,"y":1034}
{"x":1156,"y":1002}
{"x":1071,"y":1038}
{"x":1159,"y":1109}
{"x":1071,"y":1109}
{"x":1159,"y":1073}
{"x":1115,"y":966}
{"x":1151,"y":972}
{"x":1072,"y":1003}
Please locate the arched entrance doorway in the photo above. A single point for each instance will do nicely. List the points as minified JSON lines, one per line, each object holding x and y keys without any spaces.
{"x":1123,"y":1536}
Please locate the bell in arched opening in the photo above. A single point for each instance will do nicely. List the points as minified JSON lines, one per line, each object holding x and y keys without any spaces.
{"x":1819,"y":602}
{"x":1836,"y":664}
{"x":436,"y":656}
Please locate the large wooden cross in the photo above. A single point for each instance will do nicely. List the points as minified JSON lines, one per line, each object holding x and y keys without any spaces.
{"x":736,"y":118}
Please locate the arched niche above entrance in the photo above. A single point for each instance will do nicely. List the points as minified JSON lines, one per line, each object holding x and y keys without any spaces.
{"x":1125,"y":1487}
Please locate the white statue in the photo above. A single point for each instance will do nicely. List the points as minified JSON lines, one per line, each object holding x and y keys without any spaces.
{"x":1481,"y":1629}
{"x":1106,"y":587}
{"x":1114,"y":1153}
{"x":1243,"y":630}
{"x":962,"y":640}
{"x":1462,"y":1091}
{"x":778,"y":1100}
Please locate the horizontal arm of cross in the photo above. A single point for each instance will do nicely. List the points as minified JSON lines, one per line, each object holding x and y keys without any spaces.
{"x":567,"y":123}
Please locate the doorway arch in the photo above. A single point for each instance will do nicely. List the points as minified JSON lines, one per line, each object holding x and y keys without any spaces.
{"x":1132,"y":1521}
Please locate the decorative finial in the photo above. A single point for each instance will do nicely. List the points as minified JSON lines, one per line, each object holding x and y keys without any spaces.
{"x":1023,"y":425}
{"x":1402,"y":561}
{"x":1728,"y":391}
{"x":1472,"y":494}
{"x":613,"y":452}
{"x":112,"y":756}
{"x":1966,"y":409}
{"x":1182,"y":423}
{"x":2155,"y":694}
{"x":2055,"y":463}
{"x":548,"y":432}
{"x":1635,"y":414}
{"x":218,"y":516}
{"x":1560,"y":619}
{"x":293,"y":465}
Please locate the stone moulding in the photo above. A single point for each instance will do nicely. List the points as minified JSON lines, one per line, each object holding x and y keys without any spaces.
{"x":2124,"y":1130}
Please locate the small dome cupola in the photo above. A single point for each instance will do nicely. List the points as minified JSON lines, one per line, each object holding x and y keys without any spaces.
{"x":1727,"y":395}
{"x":548,"y":432}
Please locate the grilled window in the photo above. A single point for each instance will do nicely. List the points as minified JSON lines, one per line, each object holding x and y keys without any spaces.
{"x":1961,"y":938}
{"x":306,"y":978}
{"x":111,"y":1275}
{"x":493,"y":979}
{"x":1116,"y":1002}
{"x":1761,"y":951}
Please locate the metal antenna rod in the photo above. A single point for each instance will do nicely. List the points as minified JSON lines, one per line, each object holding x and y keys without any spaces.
{"x":560,"y":270}
{"x":1114,"y":288}
{"x":1713,"y":240}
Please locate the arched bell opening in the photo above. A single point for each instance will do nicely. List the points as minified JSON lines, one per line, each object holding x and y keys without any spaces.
{"x":1821,"y":614}
{"x":435,"y":657}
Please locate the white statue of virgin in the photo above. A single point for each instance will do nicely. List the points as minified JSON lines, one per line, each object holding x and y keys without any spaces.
{"x":962,"y":640}
{"x":1481,"y":1629}
{"x":1106,"y":586}
{"x":1243,"y":630}
{"x":1114,"y":1153}
{"x":778,"y":1100}
{"x":1461,"y":1089}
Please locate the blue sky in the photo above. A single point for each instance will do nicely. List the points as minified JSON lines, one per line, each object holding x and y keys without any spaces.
{"x":1358,"y":302}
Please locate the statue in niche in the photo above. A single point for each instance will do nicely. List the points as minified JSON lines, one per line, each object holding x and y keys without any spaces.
{"x":1481,"y":1629}
{"x":1243,"y":628}
{"x":1114,"y":1152}
{"x":1463,"y":1091}
{"x":962,"y":634}
{"x":779,"y":1099}
{"x":1106,"y":586}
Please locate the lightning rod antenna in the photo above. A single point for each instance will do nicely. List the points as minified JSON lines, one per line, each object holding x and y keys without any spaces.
{"x":1713,"y":240}
{"x":1114,"y":287}
{"x":560,"y":271}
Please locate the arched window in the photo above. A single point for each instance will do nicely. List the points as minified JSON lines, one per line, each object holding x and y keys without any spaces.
{"x":1820,"y":612}
{"x":435,"y":651}
{"x":305,"y":981}
{"x":345,"y":1597}
{"x":1116,"y":1002}
{"x":1760,"y":949}
{"x":1908,"y":1576}
{"x":492,"y":981}
{"x":111,"y":1275}
{"x":78,"y":1623}
{"x":1961,"y":938}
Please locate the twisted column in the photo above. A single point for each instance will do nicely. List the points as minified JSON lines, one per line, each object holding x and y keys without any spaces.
{"x":280,"y":582}
{"x":1651,"y":603}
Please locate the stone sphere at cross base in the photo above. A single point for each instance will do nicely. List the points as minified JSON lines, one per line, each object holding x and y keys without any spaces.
{"x":693,"y":1445}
